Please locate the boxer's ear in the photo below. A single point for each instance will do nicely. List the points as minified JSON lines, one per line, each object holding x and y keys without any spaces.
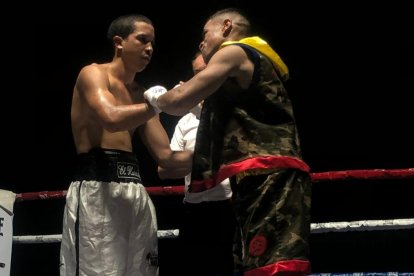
{"x":227,"y":27}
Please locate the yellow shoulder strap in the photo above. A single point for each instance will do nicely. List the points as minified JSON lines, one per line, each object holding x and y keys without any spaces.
{"x":263,"y":47}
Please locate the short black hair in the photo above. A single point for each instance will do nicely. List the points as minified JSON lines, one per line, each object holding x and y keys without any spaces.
{"x":124,"y":25}
{"x":239,"y":19}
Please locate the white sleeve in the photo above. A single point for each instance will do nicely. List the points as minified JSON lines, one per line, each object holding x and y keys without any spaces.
{"x":177,"y":141}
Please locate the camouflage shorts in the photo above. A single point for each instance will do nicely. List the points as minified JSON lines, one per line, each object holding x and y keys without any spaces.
{"x":273,"y":212}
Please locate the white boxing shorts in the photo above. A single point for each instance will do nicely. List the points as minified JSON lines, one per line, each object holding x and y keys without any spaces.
{"x":109,"y":223}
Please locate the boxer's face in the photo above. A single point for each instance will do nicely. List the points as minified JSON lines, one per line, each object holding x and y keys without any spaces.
{"x":212,"y":38}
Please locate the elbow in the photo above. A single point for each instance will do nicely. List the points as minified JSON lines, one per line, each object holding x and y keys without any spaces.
{"x":111,"y":123}
{"x":166,"y":160}
{"x":164,"y":156}
{"x":167,"y":173}
{"x":162,"y":173}
{"x":163,"y":161}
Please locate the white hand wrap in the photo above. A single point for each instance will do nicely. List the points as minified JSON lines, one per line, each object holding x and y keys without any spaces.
{"x":152,"y":94}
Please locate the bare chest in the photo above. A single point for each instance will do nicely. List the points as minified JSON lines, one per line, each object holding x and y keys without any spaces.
{"x":122,"y":93}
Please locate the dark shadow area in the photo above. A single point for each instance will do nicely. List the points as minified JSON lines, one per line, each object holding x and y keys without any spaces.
{"x":351,"y":87}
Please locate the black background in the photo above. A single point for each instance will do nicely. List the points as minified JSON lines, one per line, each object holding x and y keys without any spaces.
{"x":351,"y":85}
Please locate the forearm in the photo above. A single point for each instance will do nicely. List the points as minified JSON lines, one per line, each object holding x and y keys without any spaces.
{"x":173,"y":173}
{"x":177,"y":101}
{"x":172,"y":103}
{"x":176,"y":159}
{"x":126,"y":117}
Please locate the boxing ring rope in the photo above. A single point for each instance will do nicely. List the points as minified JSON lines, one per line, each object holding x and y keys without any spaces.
{"x":161,"y":234}
{"x":8,"y":199}
{"x":316,"y":177}
{"x":363,"y":174}
{"x":316,"y":228}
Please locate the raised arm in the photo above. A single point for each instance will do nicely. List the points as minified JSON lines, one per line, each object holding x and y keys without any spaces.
{"x":227,"y":62}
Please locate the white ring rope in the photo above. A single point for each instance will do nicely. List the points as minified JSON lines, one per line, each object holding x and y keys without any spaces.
{"x":38,"y":239}
{"x":316,"y":228}
{"x":161,"y":234}
{"x":362,"y":225}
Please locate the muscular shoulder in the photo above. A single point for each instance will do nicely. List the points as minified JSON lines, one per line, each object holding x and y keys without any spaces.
{"x":93,"y":73}
{"x":94,"y":69}
{"x":231,"y":54}
{"x":235,"y":63}
{"x":230,"y":58}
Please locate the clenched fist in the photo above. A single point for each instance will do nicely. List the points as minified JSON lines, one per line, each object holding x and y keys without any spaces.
{"x":152,"y":94}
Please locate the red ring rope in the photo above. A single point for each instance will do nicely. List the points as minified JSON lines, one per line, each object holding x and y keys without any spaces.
{"x":316,"y":177}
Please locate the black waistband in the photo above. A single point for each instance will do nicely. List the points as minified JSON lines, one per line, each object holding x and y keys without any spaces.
{"x":107,"y":165}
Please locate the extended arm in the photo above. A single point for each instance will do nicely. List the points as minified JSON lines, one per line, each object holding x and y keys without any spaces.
{"x":228,"y":62}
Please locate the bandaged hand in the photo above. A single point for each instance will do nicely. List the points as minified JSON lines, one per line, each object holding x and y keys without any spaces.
{"x":152,"y":94}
